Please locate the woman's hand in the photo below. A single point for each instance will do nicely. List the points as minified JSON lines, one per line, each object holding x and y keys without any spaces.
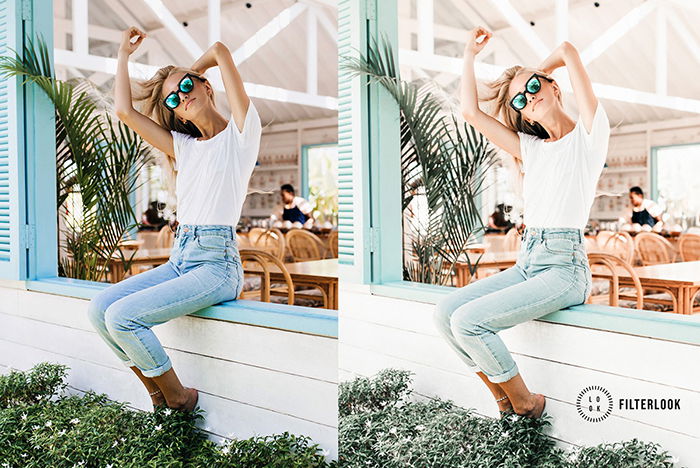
{"x":128,"y":46}
{"x":473,"y":45}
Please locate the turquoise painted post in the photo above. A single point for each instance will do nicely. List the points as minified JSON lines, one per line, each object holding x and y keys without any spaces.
{"x":386,"y":231}
{"x":40,"y":130}
{"x":13,"y":229}
{"x":353,"y":143}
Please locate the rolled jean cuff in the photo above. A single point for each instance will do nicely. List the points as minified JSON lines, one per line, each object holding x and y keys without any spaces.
{"x":129,"y":363}
{"x":160,"y":370}
{"x":505,"y":376}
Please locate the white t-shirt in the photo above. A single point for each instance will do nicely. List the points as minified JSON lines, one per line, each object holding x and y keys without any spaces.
{"x":213,"y":174}
{"x":560,"y":177}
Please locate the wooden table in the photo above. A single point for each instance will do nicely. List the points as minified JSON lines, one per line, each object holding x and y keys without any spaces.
{"x":500,"y":260}
{"x":315,"y":273}
{"x":682,"y":280}
{"x":151,"y":257}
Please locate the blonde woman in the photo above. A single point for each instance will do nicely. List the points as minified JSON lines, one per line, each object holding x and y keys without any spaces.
{"x":560,"y":160}
{"x":214,"y":158}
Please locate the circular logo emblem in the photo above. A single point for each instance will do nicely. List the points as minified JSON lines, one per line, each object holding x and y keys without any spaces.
{"x":594,"y":403}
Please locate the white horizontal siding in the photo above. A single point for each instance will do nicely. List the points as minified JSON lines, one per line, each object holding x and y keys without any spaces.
{"x":252,"y":380}
{"x":556,"y":360}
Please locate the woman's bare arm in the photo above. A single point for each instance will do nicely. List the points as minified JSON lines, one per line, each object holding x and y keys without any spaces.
{"x":491,"y":128}
{"x":567,"y":56}
{"x":219,"y":55}
{"x":149,"y":130}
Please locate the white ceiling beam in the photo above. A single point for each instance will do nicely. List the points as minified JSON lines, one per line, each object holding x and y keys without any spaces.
{"x":617,"y":30}
{"x":562,"y":15}
{"x":95,"y":63}
{"x":470,"y":13}
{"x":214,"y":13}
{"x":661,"y":52}
{"x":523,"y":27}
{"x":425,"y":12}
{"x":311,"y":52}
{"x":130,"y":20}
{"x":685,"y":34}
{"x":263,"y":35}
{"x":485,"y":71}
{"x":330,"y":25}
{"x":175,"y":27}
{"x":80,"y":26}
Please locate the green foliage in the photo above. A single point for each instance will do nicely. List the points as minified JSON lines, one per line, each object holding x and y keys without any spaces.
{"x":443,"y":163}
{"x":97,"y":164}
{"x":40,"y":428}
{"x":381,"y":428}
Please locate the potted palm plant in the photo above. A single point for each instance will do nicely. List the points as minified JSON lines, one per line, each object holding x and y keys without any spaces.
{"x":97,"y":166}
{"x":443,"y":162}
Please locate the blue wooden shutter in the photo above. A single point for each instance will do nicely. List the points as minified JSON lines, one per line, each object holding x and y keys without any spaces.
{"x":12,"y":193}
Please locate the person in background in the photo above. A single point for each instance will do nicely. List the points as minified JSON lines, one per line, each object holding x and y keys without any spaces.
{"x":644,"y":211}
{"x":151,"y":219}
{"x":499,"y":221}
{"x":294,"y":209}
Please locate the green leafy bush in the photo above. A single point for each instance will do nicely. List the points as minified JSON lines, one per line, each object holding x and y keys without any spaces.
{"x":40,"y":428}
{"x":381,"y":428}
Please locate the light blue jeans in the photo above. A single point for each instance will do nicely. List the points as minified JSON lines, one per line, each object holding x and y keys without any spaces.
{"x":551,"y":273}
{"x":204,"y":269}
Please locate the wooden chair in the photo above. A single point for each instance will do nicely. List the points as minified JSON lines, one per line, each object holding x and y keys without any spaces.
{"x":166,"y":237}
{"x":653,"y":249}
{"x":689,"y":247}
{"x":611,"y":262}
{"x":332,"y":247}
{"x":591,"y":244}
{"x":254,"y":233}
{"x":265,"y":260}
{"x":621,"y":244}
{"x":242,"y":241}
{"x":304,"y":245}
{"x":602,"y":238}
{"x":271,"y":241}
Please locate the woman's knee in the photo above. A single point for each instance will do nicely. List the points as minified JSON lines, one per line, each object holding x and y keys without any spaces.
{"x":119,"y":318}
{"x":96,"y":310}
{"x":465,"y":321}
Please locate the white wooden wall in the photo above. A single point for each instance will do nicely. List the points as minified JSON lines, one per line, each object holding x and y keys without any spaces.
{"x":252,"y":380}
{"x":556,"y":360}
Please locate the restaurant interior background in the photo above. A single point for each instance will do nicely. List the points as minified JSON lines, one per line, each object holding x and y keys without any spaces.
{"x":286,"y":53}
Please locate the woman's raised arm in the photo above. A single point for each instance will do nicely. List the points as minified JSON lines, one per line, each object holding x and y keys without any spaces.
{"x":219,"y":55}
{"x":566,"y":55}
{"x":491,"y":128}
{"x":149,"y":130}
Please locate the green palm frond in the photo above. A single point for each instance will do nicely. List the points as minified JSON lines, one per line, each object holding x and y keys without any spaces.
{"x":97,"y":160}
{"x":443,"y":162}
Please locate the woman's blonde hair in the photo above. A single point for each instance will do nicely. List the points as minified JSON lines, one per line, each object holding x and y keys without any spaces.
{"x":150,"y":94}
{"x":498,"y":95}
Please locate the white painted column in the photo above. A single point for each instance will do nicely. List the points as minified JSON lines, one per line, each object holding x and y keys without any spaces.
{"x":80,"y":26}
{"x":426,"y":26}
{"x":661,"y":52}
{"x":214,"y":12}
{"x":311,"y":52}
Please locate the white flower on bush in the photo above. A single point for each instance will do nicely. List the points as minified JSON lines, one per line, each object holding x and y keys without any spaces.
{"x":48,"y":424}
{"x":505,"y":434}
{"x":420,"y":427}
{"x":109,"y":465}
{"x":115,"y":443}
{"x":24,"y":416}
{"x":61,"y":432}
{"x":168,"y":411}
{"x":74,"y":421}
{"x":159,"y":427}
{"x":35,"y":428}
{"x":393,"y":430}
{"x":122,"y":439}
{"x":226,"y":450}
